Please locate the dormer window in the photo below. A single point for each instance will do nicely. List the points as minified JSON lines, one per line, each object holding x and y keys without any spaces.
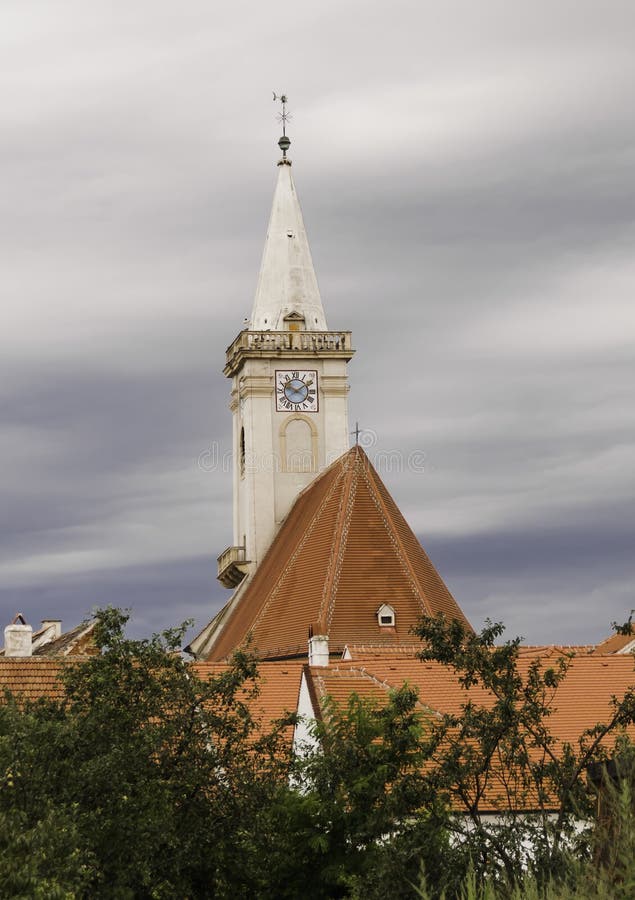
{"x":295,"y":321}
{"x":386,"y":616}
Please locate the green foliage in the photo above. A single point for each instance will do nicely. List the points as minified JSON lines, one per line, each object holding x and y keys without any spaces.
{"x":614,"y":835}
{"x":625,"y":628}
{"x":528,"y":888}
{"x":45,"y":860}
{"x":162,"y":776}
{"x":373,"y":815}
{"x":498,"y":753}
{"x":145,"y":781}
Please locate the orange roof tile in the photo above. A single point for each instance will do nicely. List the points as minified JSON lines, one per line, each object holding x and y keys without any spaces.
{"x":582,"y":700}
{"x":278,"y":684}
{"x":343,"y":550}
{"x":31,"y":677}
{"x":547,"y":650}
{"x":278,"y":690}
{"x":616,"y":643}
{"x":368,"y":651}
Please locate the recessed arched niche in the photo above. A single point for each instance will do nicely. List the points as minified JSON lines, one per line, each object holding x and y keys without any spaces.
{"x":298,"y":444}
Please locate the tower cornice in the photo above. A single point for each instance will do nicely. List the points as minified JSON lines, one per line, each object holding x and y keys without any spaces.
{"x":255,"y":386}
{"x":287,"y":345}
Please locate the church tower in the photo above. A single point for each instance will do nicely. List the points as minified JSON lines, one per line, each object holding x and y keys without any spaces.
{"x":288,"y":385}
{"x":323,"y":561}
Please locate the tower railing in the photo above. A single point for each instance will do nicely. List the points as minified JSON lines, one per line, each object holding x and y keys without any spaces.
{"x":297,"y":343}
{"x":230,"y":562}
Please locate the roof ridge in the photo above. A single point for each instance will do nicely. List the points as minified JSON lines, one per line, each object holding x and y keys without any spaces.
{"x":404,"y":559}
{"x":339,"y":543}
{"x":362,"y":671}
{"x":340,"y":462}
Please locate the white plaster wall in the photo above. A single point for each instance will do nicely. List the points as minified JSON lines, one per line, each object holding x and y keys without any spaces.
{"x":265,"y":493}
{"x":303,"y":739}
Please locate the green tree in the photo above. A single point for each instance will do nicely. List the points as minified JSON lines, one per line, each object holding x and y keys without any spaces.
{"x":370,"y":813}
{"x":145,"y":780}
{"x":45,"y":860}
{"x":160,"y":778}
{"x":498,"y":752}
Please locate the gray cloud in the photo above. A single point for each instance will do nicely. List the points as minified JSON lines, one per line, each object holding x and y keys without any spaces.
{"x":466,"y":174}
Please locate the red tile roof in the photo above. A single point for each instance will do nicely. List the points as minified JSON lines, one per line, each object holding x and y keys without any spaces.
{"x":343,"y":550}
{"x":616,"y":643}
{"x":554,"y":650}
{"x":278,"y":684}
{"x":278,"y":690}
{"x":354,"y":651}
{"x":31,"y":677}
{"x":582,"y":700}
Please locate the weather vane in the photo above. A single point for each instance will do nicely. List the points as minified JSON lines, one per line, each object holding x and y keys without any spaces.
{"x":284,"y":143}
{"x":284,"y":116}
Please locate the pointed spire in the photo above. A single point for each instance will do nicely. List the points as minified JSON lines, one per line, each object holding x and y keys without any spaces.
{"x":287,"y":285}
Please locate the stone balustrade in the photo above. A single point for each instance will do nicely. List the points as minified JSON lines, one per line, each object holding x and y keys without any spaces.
{"x":287,"y":343}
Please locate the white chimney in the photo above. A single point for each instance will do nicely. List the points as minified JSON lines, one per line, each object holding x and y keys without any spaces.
{"x":318,"y":649}
{"x":55,"y":626}
{"x":17,"y":637}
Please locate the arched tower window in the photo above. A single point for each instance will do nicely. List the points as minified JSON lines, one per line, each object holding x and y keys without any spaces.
{"x":242,"y":452}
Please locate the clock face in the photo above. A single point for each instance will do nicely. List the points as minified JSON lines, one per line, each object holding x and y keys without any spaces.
{"x":296,"y":391}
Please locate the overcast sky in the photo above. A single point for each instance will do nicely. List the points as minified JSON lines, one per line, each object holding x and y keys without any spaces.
{"x":467,"y":176}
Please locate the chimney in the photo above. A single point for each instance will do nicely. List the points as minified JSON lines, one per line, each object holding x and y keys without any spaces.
{"x":318,"y":646}
{"x":17,"y":637}
{"x":56,"y":627}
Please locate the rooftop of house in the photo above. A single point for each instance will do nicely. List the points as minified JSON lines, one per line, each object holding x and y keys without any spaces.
{"x":582,"y":699}
{"x":278,"y":688}
{"x":21,"y":641}
{"x":344,"y":563}
{"x":617,"y":643}
{"x":31,"y":677}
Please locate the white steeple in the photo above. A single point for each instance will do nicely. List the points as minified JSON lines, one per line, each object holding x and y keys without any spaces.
{"x":287,"y":285}
{"x":289,"y":386}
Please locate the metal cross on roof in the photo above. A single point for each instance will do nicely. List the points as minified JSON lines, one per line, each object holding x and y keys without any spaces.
{"x":357,"y":433}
